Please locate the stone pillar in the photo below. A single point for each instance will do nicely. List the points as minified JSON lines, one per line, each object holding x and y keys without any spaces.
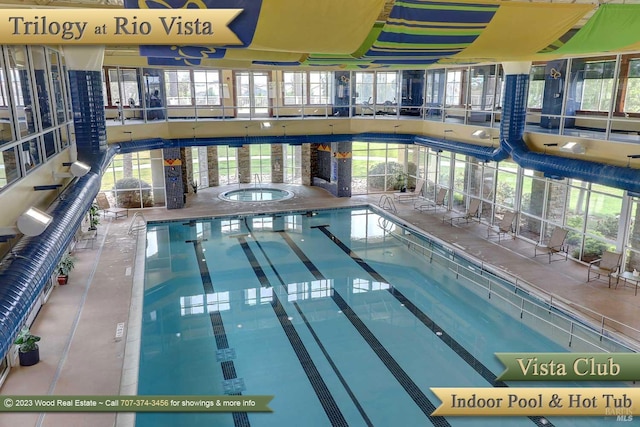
{"x":173,"y":182}
{"x":212,"y":166}
{"x":277,"y":163}
{"x":244,"y":164}
{"x":306,"y":165}
{"x":85,"y":80}
{"x":314,"y":169}
{"x":187,"y":168}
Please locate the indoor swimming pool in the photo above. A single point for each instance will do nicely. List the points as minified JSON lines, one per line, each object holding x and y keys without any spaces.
{"x":256,"y":194}
{"x":343,"y":316}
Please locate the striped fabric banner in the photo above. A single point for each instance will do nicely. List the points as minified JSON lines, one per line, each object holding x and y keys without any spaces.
{"x":425,"y":31}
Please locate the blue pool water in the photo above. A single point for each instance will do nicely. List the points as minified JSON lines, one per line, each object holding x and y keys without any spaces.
{"x":340,"y":322}
{"x":256,"y":194}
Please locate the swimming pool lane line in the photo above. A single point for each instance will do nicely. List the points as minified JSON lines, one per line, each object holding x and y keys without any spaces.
{"x":240,"y":419}
{"x":202,"y":265}
{"x":458,"y":348}
{"x":412,"y":389}
{"x":326,"y":399}
{"x":321,"y":346}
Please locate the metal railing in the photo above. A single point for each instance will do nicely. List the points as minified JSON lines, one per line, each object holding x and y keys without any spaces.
{"x":386,"y":203}
{"x":135,"y":223}
{"x":573,"y":324}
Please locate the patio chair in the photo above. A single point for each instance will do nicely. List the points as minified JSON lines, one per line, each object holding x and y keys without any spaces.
{"x":472,"y":213}
{"x":608,"y":265}
{"x":105,"y":207}
{"x":408,"y":195}
{"x":423,"y":205}
{"x":505,"y":226}
{"x":555,"y":245}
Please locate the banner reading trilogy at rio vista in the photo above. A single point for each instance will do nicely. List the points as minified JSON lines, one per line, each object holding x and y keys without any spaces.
{"x":118,"y":26}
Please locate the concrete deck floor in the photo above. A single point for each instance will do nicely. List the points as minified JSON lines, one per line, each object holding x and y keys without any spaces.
{"x":80,"y":354}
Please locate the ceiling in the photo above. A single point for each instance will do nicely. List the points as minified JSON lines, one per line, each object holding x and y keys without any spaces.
{"x":387,"y":34}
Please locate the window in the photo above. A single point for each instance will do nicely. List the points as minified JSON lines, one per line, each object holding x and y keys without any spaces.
{"x":113,"y":87}
{"x":178,"y":87}
{"x":364,"y":88}
{"x":386,"y":87}
{"x":295,"y":88}
{"x":130,"y":88}
{"x":307,"y":88}
{"x":597,"y":85}
{"x":207,"y":87}
{"x":227,"y":165}
{"x":454,"y":87}
{"x":536,"y":86}
{"x":4,"y":100}
{"x":320,"y":87}
{"x":632,"y":96}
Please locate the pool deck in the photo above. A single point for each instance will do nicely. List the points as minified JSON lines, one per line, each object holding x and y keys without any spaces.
{"x":81,"y":353}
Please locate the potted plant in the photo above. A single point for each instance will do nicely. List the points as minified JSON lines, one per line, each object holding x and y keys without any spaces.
{"x":66,"y":264}
{"x":28,"y":352}
{"x":401,"y":182}
{"x":94,"y":217}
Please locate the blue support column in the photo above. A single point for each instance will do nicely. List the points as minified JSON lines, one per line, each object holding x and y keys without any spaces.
{"x":88,"y":113}
{"x":514,"y":107}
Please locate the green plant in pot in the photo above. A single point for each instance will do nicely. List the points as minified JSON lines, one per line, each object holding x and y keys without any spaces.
{"x":29,"y":353}
{"x":94,"y":217}
{"x":66,"y":264}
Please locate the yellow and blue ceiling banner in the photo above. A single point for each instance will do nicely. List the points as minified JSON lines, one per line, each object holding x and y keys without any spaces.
{"x":614,"y":27}
{"x":421,"y":32}
{"x":345,"y":34}
{"x":243,"y":26}
{"x":518,"y":31}
{"x":315,"y":26}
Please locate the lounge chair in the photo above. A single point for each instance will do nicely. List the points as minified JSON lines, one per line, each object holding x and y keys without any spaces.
{"x":555,"y":246}
{"x":608,"y":265}
{"x":423,"y":205}
{"x":105,"y":207}
{"x":408,"y":195}
{"x":472,"y":213}
{"x":505,"y":226}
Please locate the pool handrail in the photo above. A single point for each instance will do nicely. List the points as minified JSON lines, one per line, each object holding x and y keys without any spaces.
{"x":551,"y":300}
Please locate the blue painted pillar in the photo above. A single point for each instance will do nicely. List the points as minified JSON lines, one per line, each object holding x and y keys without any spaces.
{"x":514,"y":103}
{"x":84,"y":64}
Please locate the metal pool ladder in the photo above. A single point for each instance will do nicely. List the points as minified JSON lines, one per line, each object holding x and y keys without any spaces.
{"x":135,"y":223}
{"x":386,"y":203}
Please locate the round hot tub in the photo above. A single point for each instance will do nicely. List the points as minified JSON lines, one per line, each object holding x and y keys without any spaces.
{"x":256,"y":194}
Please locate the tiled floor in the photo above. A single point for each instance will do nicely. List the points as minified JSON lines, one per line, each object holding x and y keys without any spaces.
{"x":81,"y":355}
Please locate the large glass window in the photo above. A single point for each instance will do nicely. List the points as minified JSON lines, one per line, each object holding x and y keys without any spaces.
{"x":134,"y":180}
{"x":228,"y":164}
{"x":178,"y":87}
{"x":454,"y":87}
{"x":56,"y":78}
{"x":260,"y":163}
{"x":207,"y":87}
{"x":320,"y":87}
{"x":536,"y":87}
{"x":292,"y":155}
{"x":597,"y":85}
{"x":364,"y":88}
{"x":295,"y":88}
{"x":20,"y":80}
{"x":9,"y":170}
{"x":386,"y":87}
{"x":632,"y":94}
